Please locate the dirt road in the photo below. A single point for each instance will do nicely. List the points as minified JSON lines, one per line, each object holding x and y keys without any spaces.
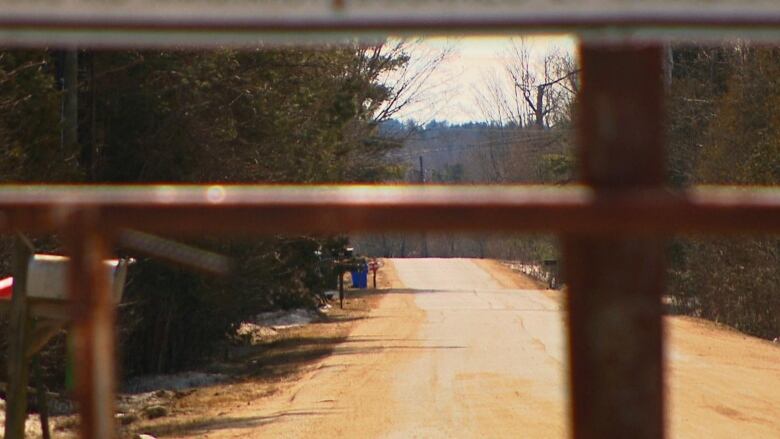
{"x":461,"y":351}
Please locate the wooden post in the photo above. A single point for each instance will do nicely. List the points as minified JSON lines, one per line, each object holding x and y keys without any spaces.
{"x":616,"y":282}
{"x":341,"y":288}
{"x":19,"y":330}
{"x":93,"y":325}
{"x":43,"y":403}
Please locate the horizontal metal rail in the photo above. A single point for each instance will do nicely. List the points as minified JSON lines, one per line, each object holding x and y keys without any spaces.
{"x":241,"y":209}
{"x":141,"y":23}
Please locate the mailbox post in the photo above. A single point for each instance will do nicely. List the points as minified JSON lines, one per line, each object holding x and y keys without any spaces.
{"x":19,"y":329}
{"x":341,"y":287}
{"x":373,"y":265}
{"x":39,"y":291}
{"x":553,"y":273}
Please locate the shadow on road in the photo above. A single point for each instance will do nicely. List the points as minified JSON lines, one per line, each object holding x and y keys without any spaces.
{"x":221,"y":422}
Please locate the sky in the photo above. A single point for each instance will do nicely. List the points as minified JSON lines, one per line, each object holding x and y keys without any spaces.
{"x":449,"y":93}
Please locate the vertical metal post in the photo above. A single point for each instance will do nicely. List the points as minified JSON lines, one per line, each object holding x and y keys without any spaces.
{"x":341,"y":288}
{"x":19,"y":333}
{"x":615,"y":283}
{"x":93,"y":327}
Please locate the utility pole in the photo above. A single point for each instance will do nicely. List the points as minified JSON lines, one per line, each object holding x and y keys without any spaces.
{"x":424,"y":235}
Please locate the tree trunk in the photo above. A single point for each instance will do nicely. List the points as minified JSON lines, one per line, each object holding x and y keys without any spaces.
{"x":70,"y":125}
{"x":539,"y":110}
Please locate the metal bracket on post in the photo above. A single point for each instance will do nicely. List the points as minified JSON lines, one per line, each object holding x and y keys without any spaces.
{"x":615,"y":282}
{"x":93,"y":324}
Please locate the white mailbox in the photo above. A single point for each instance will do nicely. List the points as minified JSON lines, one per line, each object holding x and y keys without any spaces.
{"x":47,"y":277}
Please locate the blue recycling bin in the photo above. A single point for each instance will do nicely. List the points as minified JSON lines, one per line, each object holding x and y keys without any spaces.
{"x":359,"y":278}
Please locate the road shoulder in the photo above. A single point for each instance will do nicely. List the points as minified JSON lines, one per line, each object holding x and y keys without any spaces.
{"x":269,"y":373}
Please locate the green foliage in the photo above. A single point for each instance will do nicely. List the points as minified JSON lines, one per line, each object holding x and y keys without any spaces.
{"x":731,"y":281}
{"x":744,"y":146}
{"x":556,"y":168}
{"x":173,"y":318}
{"x":29,"y":120}
{"x":700,"y":76}
{"x":266,"y":115}
{"x":725,"y":130}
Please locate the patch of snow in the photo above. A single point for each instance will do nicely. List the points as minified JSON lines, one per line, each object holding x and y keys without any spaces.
{"x":285,"y":319}
{"x":252,"y":333}
{"x":265,"y":325}
{"x":32,"y":425}
{"x":248,"y":329}
{"x":129,"y":405}
{"x":176,"y":381}
{"x":534,"y":271}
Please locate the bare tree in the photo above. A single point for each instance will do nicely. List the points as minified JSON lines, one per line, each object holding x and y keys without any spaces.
{"x":496,"y":104}
{"x":546,"y":88}
{"x":410,"y":82}
{"x":532,"y":90}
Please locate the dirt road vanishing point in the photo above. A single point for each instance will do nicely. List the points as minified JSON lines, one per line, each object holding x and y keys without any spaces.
{"x":461,"y":349}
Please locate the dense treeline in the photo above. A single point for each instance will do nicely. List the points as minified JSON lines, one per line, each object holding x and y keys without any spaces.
{"x":479,"y":153}
{"x":266,"y":115}
{"x":724,"y":129}
{"x":483,"y":152}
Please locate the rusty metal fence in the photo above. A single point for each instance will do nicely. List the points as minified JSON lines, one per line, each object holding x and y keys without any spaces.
{"x":620,"y":215}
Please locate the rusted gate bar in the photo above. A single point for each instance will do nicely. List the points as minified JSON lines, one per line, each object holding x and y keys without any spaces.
{"x":615,"y":337}
{"x":235,"y":209}
{"x":190,"y":26}
{"x":93,"y":325}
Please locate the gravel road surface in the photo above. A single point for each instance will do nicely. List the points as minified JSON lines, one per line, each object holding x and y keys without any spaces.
{"x":459,"y":351}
